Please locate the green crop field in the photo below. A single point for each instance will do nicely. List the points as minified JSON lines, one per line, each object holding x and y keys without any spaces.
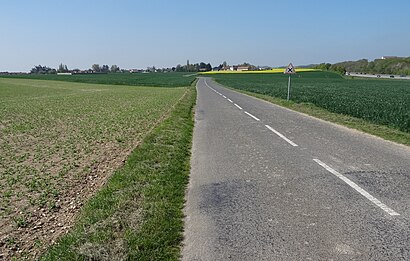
{"x":59,"y":141}
{"x":384,"y":102}
{"x":174,"y":79}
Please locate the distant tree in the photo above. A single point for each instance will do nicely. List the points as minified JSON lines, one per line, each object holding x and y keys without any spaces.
{"x":96,"y":67}
{"x":190,"y":67}
{"x":202,"y":65}
{"x":35,"y":69}
{"x":151,"y":69}
{"x":331,"y":67}
{"x":323,"y":66}
{"x":105,"y":68}
{"x":42,"y":70}
{"x":114,"y":68}
{"x":339,"y":69}
{"x":224,"y":64}
{"x":370,"y":67}
{"x":62,"y":68}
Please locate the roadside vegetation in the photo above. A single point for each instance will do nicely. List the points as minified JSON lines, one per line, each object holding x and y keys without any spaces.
{"x":60,"y":141}
{"x":138,"y":214}
{"x":380,"y":107}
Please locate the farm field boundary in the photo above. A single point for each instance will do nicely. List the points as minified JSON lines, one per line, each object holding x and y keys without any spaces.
{"x":60,"y":141}
{"x":138,"y":214}
{"x":260,"y":89}
{"x":174,"y":79}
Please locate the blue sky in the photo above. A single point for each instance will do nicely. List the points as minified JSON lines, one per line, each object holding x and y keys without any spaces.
{"x":137,"y":34}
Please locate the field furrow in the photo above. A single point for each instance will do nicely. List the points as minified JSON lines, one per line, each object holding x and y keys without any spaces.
{"x":59,"y":143}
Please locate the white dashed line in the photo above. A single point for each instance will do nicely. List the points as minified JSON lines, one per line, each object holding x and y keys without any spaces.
{"x":281,"y":135}
{"x":358,"y":189}
{"x":331,"y":170}
{"x":252,"y":116}
{"x":207,"y":84}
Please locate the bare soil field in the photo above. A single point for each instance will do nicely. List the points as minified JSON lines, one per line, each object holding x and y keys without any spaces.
{"x":59,"y":141}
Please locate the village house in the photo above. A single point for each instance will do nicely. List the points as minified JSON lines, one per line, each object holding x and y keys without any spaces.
{"x":242,"y":68}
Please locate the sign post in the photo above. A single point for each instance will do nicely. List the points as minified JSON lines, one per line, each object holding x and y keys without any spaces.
{"x":289,"y":70}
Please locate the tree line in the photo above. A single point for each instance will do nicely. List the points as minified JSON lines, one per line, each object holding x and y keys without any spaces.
{"x":395,"y":65}
{"x":96,"y":68}
{"x":62,"y":68}
{"x":197,"y":67}
{"x":331,"y":67}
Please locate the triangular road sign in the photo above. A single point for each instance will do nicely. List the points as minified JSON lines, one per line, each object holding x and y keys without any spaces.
{"x":290,"y":69}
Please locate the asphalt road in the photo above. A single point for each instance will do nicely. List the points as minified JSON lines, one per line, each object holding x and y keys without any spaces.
{"x":382,"y":76}
{"x":268,"y":183}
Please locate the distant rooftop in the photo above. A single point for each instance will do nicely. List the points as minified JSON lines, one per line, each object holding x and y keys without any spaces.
{"x":389,"y":57}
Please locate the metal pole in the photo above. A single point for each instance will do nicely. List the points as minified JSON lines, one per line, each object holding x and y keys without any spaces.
{"x":289,"y":88}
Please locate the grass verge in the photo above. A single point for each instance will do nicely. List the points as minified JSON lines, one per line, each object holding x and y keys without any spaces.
{"x":345,"y":120}
{"x":138,"y":214}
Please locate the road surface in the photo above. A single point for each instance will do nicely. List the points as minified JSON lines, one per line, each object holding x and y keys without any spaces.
{"x":268,"y":183}
{"x":382,"y":76}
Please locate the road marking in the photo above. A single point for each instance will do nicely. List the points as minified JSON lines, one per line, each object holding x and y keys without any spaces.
{"x":252,"y":116}
{"x":207,"y":84}
{"x":230,"y":100}
{"x":281,"y":135}
{"x":224,"y":96}
{"x":213,"y":89}
{"x":358,"y":189}
{"x":239,"y":107}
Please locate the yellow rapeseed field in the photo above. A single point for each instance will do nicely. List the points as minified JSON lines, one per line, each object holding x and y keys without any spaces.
{"x":279,"y":70}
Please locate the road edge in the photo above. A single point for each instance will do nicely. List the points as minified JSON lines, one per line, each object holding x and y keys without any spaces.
{"x":348,"y":122}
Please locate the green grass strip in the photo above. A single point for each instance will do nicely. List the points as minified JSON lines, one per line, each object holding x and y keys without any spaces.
{"x":138,"y":214}
{"x":345,"y":120}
